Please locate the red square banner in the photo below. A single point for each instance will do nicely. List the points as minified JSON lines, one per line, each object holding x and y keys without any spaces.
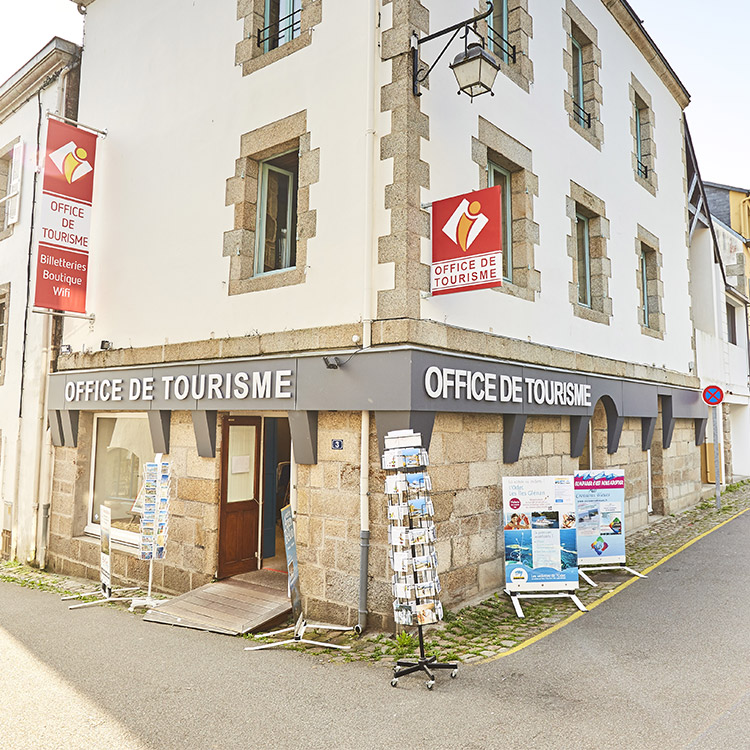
{"x":69,"y":161}
{"x":467,"y":242}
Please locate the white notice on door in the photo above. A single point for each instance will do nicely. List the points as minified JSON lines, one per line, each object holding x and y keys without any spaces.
{"x":240,"y":464}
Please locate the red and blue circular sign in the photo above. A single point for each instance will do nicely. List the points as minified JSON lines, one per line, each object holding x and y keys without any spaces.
{"x":713,"y":395}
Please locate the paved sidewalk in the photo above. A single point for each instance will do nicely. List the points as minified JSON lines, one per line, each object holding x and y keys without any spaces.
{"x":490,"y":628}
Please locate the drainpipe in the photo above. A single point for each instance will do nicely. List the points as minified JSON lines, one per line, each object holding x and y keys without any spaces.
{"x":369,"y":247}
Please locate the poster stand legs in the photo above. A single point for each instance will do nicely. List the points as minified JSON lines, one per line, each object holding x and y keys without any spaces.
{"x":103,"y":600}
{"x":147,"y":601}
{"x":299,"y":633}
{"x":424,"y":664}
{"x":607,"y":567}
{"x":515,"y":597}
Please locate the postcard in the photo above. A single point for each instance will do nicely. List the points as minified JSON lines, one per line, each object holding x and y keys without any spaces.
{"x":425,"y":613}
{"x":397,"y":512}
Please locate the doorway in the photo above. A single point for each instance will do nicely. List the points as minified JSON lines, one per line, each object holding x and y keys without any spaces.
{"x":277,"y":445}
{"x":239,"y":502}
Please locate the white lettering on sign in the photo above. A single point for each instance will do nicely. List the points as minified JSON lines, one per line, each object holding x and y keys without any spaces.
{"x":213,"y":385}
{"x":446,"y":382}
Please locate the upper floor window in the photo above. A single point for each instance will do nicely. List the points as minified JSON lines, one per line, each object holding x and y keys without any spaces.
{"x":11,"y":164}
{"x":650,"y":286}
{"x":499,"y":176}
{"x":583,"y":260}
{"x":731,"y":323}
{"x":497,"y":36}
{"x":276,"y":226}
{"x":4,"y":300}
{"x":282,"y":23}
{"x":642,"y":127}
{"x":582,"y":60}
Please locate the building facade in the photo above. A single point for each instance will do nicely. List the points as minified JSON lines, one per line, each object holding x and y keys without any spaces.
{"x":260,"y":277}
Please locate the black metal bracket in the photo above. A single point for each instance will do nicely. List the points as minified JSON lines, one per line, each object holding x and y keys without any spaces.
{"x":419,"y":76}
{"x":275,"y":29}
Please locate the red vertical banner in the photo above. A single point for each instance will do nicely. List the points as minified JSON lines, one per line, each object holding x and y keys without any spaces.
{"x":65,"y":218}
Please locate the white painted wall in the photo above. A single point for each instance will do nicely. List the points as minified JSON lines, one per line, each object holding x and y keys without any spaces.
{"x":21,"y":446}
{"x":539,"y":121}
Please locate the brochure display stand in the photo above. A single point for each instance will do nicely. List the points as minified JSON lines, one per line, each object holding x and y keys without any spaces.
{"x":539,"y":529}
{"x":154,"y":522}
{"x":600,"y":522}
{"x":411,"y":533}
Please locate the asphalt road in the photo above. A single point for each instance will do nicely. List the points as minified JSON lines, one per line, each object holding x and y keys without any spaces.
{"x":664,"y":664}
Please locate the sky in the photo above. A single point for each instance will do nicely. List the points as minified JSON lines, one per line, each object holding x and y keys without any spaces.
{"x":704,"y":43}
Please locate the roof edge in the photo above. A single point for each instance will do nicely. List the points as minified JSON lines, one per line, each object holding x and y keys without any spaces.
{"x":52,"y":58}
{"x":633,"y":27}
{"x":726,"y":187}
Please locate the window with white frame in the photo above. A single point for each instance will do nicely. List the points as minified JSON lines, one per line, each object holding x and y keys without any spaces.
{"x":499,"y":176}
{"x":121,"y":447}
{"x":282,"y":23}
{"x":276,"y":226}
{"x":4,"y":305}
{"x":11,"y":165}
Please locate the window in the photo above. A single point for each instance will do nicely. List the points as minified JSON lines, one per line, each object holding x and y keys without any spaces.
{"x":4,"y":305}
{"x":507,"y":162}
{"x":498,"y":30}
{"x":642,"y":126}
{"x":499,"y":176}
{"x":582,"y":59}
{"x":644,"y":286}
{"x":588,"y":288}
{"x":273,"y":221}
{"x":277,"y":213}
{"x":650,"y":287}
{"x":121,"y":447}
{"x":11,"y":164}
{"x":282,"y":23}
{"x":509,"y":29}
{"x":583,"y":260}
{"x":274,"y":29}
{"x":731,"y":324}
{"x":579,"y":113}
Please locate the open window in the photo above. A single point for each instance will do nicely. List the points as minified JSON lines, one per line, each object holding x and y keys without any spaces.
{"x":276,"y":231}
{"x":282,"y":23}
{"x":11,"y":167}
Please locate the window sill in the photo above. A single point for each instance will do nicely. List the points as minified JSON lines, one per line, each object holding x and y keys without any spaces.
{"x":121,"y":540}
{"x":647,"y":184}
{"x":270,"y":280}
{"x":587,"y":313}
{"x":652,"y":332}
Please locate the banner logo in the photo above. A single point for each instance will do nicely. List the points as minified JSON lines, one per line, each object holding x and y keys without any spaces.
{"x":71,"y":161}
{"x":466,"y":223}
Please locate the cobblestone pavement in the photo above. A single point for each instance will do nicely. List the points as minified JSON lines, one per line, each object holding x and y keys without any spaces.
{"x":483,"y":630}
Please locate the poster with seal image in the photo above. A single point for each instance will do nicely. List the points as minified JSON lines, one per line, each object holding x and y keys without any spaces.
{"x":538,"y":520}
{"x":600,"y":516}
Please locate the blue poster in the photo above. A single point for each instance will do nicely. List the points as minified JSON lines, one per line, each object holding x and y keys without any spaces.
{"x":600,"y":516}
{"x":539,"y":532}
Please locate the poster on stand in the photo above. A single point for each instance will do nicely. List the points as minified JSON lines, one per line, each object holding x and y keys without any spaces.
{"x":539,"y":522}
{"x":290,"y":543}
{"x":105,"y":564}
{"x":600,"y":516}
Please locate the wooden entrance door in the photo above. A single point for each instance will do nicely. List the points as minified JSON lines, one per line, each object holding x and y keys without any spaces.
{"x":239,"y":506}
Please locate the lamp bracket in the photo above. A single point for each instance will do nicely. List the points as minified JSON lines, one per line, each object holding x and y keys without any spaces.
{"x":419,"y":76}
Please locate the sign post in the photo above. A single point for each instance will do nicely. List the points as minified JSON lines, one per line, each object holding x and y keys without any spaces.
{"x":713,"y":396}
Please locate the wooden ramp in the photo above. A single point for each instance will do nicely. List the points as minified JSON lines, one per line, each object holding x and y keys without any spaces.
{"x":234,"y":606}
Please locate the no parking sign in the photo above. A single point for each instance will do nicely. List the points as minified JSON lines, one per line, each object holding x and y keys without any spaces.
{"x":713,"y":395}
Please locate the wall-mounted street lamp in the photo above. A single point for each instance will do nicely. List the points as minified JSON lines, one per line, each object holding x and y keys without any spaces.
{"x":475,"y":68}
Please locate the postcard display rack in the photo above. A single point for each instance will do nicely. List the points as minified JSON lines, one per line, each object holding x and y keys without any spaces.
{"x":157,"y":485}
{"x":411,"y":533}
